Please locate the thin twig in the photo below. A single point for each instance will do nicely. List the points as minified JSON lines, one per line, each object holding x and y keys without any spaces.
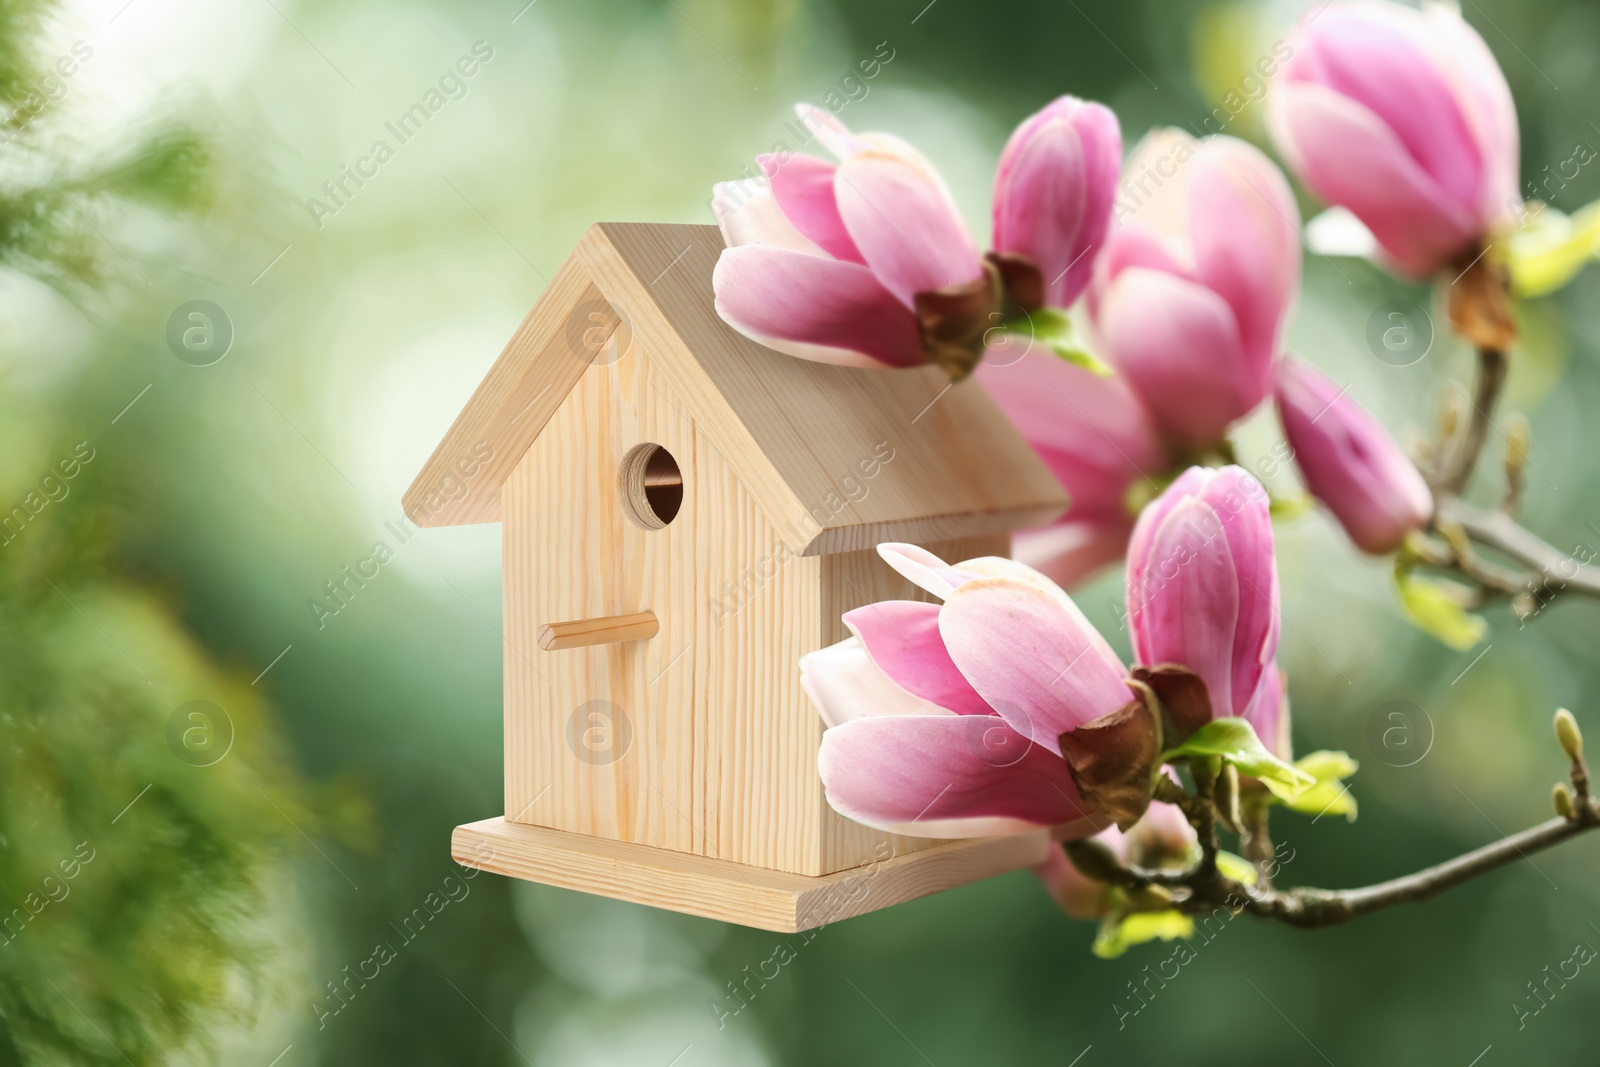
{"x":1502,"y":533}
{"x":1463,"y":460}
{"x":1309,"y":908}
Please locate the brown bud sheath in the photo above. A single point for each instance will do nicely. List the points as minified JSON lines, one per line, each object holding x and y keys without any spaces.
{"x":954,"y":322}
{"x":1182,"y":695}
{"x":1480,"y":307}
{"x":1020,"y":280}
{"x":1113,"y":758}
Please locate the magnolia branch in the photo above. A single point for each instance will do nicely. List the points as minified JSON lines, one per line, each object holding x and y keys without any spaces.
{"x":1536,"y":564}
{"x":1309,"y":907}
{"x":1202,"y":887}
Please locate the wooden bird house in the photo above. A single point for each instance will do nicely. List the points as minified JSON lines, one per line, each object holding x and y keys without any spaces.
{"x":684,"y":514}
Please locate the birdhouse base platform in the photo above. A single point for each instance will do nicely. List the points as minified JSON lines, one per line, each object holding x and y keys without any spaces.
{"x":734,"y":892}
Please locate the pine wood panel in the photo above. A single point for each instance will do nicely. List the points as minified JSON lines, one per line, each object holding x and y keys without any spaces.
{"x":720,"y":751}
{"x":717,"y":889}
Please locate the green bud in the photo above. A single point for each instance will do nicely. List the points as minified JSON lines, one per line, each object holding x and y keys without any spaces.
{"x":1094,"y":859}
{"x":1569,"y":735}
{"x":1563,"y":798}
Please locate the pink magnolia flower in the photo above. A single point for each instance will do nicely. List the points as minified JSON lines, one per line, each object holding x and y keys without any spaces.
{"x":1190,"y":298}
{"x":1404,"y":118}
{"x":1053,"y":193}
{"x":1099,"y":442}
{"x":828,"y":261}
{"x":959,"y":720}
{"x":1162,"y":838}
{"x":1349,"y":462}
{"x":824,"y":261}
{"x":944,"y":720}
{"x":1202,"y":589}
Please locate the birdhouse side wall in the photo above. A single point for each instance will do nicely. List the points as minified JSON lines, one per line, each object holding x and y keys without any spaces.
{"x":698,"y":739}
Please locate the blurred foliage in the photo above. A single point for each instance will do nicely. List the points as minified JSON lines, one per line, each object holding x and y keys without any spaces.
{"x":134,"y":874}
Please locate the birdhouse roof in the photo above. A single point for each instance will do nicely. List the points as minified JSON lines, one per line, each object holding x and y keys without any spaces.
{"x":792,"y":429}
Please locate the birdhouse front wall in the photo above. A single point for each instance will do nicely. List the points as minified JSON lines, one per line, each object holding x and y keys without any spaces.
{"x":698,"y":739}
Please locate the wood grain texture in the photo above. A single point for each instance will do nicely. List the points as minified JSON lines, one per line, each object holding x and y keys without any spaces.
{"x":606,"y":630}
{"x":732,"y":892}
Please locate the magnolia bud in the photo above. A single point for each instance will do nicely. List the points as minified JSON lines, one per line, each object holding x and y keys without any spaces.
{"x":1563,"y":800}
{"x":1568,"y":734}
{"x":1518,"y":437}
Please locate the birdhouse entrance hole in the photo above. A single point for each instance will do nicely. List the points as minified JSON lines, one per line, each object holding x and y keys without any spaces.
{"x":652,"y":486}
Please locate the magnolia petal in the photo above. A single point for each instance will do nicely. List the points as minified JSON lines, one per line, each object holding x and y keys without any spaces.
{"x":902,"y":637}
{"x":826,"y":127}
{"x":747,"y":214}
{"x":1245,"y":228}
{"x":922,"y":568}
{"x":845,"y":684}
{"x":1337,"y":232}
{"x":1035,"y":658}
{"x":945,"y":776}
{"x":1041,"y":199}
{"x":1244,"y":509}
{"x":1347,"y":156}
{"x":1183,"y":602}
{"x":905,"y":225}
{"x":1178,"y":344}
{"x":1268,"y":713}
{"x":803,"y":188}
{"x":776,"y":293}
{"x":1092,"y":432}
{"x":1349,"y":461}
{"x":1382,"y":59}
{"x":1480,"y":87}
{"x":1155,"y":182}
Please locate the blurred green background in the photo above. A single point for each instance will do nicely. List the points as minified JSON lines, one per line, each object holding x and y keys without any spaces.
{"x":244,"y":851}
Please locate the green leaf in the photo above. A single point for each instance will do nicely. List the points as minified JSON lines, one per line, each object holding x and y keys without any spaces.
{"x":1120,"y":933}
{"x":1432,"y":609}
{"x":1330,"y":795}
{"x":1237,"y":867}
{"x":1235,"y":741}
{"x":1551,"y":248}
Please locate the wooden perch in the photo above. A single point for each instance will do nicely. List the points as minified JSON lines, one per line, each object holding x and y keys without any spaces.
{"x":606,"y":630}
